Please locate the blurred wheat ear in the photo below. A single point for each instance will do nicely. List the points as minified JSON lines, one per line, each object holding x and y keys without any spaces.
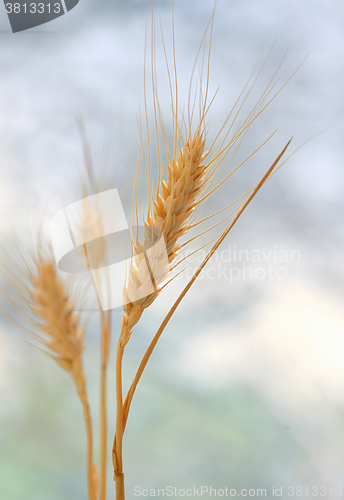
{"x":41,"y":307}
{"x":62,"y":335}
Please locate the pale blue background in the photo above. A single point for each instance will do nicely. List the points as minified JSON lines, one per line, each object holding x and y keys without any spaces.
{"x":246,"y":388}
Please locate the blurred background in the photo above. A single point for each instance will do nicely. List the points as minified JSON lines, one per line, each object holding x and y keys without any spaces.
{"x":246,"y":386}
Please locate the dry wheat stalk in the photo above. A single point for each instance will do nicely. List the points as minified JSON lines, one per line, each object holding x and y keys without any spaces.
{"x":192,"y":178}
{"x":170,"y":214}
{"x":91,"y":229}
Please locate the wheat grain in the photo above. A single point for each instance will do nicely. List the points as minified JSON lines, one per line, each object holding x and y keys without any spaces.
{"x":174,"y":204}
{"x":63,"y":336}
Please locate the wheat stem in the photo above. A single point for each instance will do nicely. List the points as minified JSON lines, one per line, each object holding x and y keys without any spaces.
{"x":120,"y":487}
{"x":79,"y":382}
{"x":89,"y":437}
{"x":117,"y":446}
{"x":105,"y":344}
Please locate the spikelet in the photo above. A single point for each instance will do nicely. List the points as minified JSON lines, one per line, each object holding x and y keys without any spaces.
{"x":175,"y":203}
{"x":62,"y":335}
{"x":172,"y":210}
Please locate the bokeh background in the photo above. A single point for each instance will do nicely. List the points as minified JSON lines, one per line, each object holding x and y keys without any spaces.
{"x":246,"y":386}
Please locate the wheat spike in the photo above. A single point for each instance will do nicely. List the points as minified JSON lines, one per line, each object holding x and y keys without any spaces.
{"x":175,"y":202}
{"x":63,"y":336}
{"x":192,"y":178}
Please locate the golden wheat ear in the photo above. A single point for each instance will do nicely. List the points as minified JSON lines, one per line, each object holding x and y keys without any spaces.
{"x":170,"y":217}
{"x":192,"y":174}
{"x":62,"y":335}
